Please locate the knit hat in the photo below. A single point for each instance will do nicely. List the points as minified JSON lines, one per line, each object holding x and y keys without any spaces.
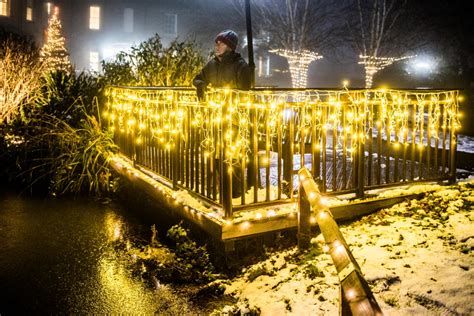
{"x":229,"y":37}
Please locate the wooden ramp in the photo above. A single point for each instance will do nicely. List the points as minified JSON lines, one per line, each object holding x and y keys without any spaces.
{"x":246,"y":223}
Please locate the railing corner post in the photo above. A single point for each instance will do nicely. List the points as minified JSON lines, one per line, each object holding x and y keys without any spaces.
{"x":304,"y":220}
{"x":360,"y":193}
{"x":227,"y":190}
{"x":453,"y":158}
{"x":226,"y":165}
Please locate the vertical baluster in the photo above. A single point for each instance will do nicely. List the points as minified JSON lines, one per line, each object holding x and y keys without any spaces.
{"x":396,"y":176}
{"x":354,"y":149}
{"x":428,"y":142}
{"x":313,"y":140}
{"x":197,"y":145}
{"x":360,"y":154}
{"x":226,"y":175}
{"x":162,"y":139}
{"x":370,"y":133}
{"x":323,"y":147}
{"x":202,"y":159}
{"x":280,"y":148}
{"x":453,"y":139}
{"x":388,"y":137}
{"x":174,"y":148}
{"x":254,"y":135}
{"x":334,"y":147}
{"x":215,"y":166}
{"x":267,"y":153}
{"x":436,"y":151}
{"x":443,"y":152}
{"x":243,"y":159}
{"x":302,"y":129}
{"x":421,"y":138}
{"x":209,"y":162}
{"x":291,"y":155}
{"x":192,"y":154}
{"x":413,"y":142}
{"x":318,"y":131}
{"x":187,"y":129}
{"x":379,"y":144}
{"x":344,"y":145}
{"x":405,"y":140}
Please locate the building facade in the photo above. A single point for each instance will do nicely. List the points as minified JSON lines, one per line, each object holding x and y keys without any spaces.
{"x":25,"y":17}
{"x":97,"y":30}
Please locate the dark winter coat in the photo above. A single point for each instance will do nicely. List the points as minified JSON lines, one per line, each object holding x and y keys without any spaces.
{"x":232,"y":71}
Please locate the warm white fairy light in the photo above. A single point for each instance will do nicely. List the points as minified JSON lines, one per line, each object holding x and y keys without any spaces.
{"x":158,"y":118}
{"x":373,"y":64}
{"x":54,"y":53}
{"x":298,"y":62}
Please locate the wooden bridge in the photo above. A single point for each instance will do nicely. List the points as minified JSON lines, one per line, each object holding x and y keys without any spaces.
{"x":197,"y":154}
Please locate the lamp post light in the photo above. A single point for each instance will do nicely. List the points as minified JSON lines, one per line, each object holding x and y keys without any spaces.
{"x":248,"y":20}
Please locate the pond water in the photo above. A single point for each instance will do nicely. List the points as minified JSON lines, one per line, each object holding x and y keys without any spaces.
{"x":57,"y":256}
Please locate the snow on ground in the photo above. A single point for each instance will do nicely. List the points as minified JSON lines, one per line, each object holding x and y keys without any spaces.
{"x":465,"y":144}
{"x":417,"y":257}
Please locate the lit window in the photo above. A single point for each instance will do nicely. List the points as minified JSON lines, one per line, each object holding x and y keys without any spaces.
{"x":49,"y":7}
{"x":128,"y":20}
{"x":29,"y":10}
{"x":5,"y":7}
{"x":263,"y":66}
{"x":94,"y":18}
{"x":171,"y":24}
{"x":94,"y":61}
{"x":267,"y":66}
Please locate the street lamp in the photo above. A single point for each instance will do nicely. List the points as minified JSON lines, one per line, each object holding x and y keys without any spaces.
{"x":248,"y":20}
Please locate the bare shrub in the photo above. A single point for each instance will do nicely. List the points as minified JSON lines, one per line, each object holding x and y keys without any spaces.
{"x":20,"y":79}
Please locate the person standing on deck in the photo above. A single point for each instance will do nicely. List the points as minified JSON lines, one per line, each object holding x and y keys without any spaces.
{"x":227,"y":69}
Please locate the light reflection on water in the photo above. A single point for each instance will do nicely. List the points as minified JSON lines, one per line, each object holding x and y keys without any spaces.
{"x":56,"y":256}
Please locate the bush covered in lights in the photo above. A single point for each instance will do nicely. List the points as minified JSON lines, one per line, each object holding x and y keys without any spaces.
{"x":50,"y":136}
{"x":152,"y":64}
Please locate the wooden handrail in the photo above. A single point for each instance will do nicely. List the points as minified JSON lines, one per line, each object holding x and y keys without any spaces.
{"x":356,"y":296}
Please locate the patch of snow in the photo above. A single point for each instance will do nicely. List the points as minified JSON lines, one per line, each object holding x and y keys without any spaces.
{"x":417,"y":257}
{"x":465,"y":143}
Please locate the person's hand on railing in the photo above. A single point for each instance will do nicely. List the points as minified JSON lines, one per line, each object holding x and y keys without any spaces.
{"x":201,"y":92}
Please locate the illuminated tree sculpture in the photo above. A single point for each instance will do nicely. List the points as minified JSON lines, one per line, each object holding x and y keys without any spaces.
{"x":373,"y":64}
{"x":376,"y":32}
{"x":294,"y":29}
{"x":54,"y":53}
{"x":299,"y":62}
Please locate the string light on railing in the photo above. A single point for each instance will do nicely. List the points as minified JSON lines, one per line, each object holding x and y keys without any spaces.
{"x":159,"y":119}
{"x":350,"y":294}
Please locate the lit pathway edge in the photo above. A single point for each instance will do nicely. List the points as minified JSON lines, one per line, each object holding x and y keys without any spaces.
{"x":356,"y":296}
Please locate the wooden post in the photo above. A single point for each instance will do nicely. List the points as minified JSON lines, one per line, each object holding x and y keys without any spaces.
{"x":356,"y":295}
{"x":360,"y":161}
{"x":226,"y":172}
{"x":304,"y":218}
{"x":360,"y":170}
{"x":452,"y":149}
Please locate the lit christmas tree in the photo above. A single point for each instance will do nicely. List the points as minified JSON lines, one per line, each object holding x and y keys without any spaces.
{"x":54,"y":52}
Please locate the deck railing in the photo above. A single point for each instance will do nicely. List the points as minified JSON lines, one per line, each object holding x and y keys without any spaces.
{"x":236,"y":141}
